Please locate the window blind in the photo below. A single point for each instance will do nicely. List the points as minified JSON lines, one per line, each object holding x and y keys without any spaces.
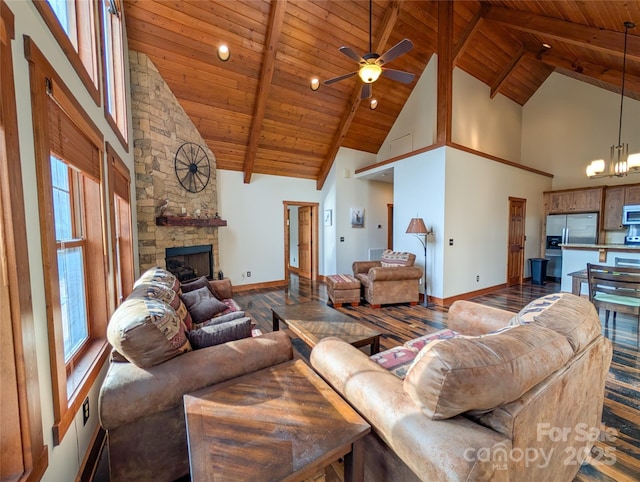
{"x":70,"y":144}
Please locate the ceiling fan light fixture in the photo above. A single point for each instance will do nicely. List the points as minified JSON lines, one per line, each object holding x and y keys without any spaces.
{"x":369,"y":73}
{"x":223,"y":53}
{"x":315,"y":84}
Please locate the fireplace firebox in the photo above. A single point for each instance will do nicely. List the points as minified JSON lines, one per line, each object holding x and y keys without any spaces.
{"x":190,"y":262}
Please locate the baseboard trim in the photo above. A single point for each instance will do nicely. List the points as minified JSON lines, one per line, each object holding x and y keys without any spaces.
{"x":257,"y":286}
{"x":465,"y":296}
{"x":91,"y":459}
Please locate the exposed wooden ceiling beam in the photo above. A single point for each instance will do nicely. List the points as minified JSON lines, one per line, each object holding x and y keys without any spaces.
{"x":495,"y":88}
{"x":469,"y":31}
{"x":445,"y":73}
{"x":594,"y":38}
{"x":597,"y":72}
{"x":386,"y":27}
{"x":276,"y":17}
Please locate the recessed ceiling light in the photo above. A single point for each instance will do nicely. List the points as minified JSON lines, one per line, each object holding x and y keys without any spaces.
{"x":373,"y":104}
{"x":223,"y":53}
{"x":315,"y":84}
{"x":546,"y":46}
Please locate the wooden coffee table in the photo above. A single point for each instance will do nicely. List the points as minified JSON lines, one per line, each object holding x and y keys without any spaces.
{"x":279,"y":423}
{"x":312,"y":321}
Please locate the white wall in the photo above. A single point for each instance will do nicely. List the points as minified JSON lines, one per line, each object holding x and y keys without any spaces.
{"x":253,"y":239}
{"x":477,"y":219}
{"x":415,"y":127}
{"x":351,"y":193}
{"x":492,"y":126}
{"x":65,"y":459}
{"x":567,"y":124}
{"x":419,"y":192}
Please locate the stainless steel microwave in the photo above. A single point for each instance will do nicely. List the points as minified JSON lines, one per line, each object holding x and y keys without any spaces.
{"x":631,"y":214}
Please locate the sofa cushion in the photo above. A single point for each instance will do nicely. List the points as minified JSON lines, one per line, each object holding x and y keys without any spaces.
{"x":452,"y":376}
{"x":147,"y":332}
{"x":202,"y":305}
{"x":572,"y":316}
{"x":167,"y":295}
{"x":220,"y":333}
{"x":392,"y":259}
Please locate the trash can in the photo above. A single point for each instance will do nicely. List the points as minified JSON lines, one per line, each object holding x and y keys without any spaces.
{"x":538,"y":270}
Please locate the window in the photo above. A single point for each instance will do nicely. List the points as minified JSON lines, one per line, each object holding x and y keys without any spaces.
{"x":121,"y":229}
{"x":69,"y":167}
{"x":67,"y":205}
{"x":72,"y":23}
{"x":113,"y":68}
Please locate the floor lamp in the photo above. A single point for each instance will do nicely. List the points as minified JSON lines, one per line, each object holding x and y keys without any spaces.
{"x":420,"y":231}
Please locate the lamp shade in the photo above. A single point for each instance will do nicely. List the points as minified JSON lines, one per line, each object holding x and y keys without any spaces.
{"x":417,"y":226}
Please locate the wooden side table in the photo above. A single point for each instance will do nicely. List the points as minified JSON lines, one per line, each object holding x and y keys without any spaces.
{"x":279,"y":423}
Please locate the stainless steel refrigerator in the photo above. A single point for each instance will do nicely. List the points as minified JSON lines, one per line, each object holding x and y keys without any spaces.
{"x":567,"y":229}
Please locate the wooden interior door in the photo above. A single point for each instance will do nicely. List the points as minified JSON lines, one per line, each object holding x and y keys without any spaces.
{"x":515,"y":260}
{"x":304,"y":241}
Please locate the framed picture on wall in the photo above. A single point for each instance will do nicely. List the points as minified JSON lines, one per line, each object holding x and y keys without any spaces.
{"x":327,"y":217}
{"x":357,"y":217}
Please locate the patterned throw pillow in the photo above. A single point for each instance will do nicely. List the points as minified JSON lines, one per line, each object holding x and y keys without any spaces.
{"x":220,"y":333}
{"x":393,"y":259}
{"x":529,"y":312}
{"x":161,"y":276}
{"x":147,"y":332}
{"x":167,"y":295}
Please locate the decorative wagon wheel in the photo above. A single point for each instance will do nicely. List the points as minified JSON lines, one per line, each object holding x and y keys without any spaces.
{"x":192,"y":167}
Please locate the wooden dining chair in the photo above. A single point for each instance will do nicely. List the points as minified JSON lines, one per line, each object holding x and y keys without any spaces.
{"x":615,"y":288}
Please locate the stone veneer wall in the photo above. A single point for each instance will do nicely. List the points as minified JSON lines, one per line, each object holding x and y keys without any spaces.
{"x":160,"y":127}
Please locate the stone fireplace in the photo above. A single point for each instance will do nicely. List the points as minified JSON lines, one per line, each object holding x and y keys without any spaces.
{"x":160,"y":127}
{"x":190,"y":262}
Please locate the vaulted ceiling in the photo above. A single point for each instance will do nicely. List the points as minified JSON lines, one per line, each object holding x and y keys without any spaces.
{"x":258,"y":114}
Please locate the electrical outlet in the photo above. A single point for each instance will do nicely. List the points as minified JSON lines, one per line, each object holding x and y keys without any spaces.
{"x":248,"y":274}
{"x":451,"y":242}
{"x":85,"y":411}
{"x":478,"y":278}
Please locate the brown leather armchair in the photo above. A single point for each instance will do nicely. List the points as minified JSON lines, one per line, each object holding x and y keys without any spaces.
{"x":393,"y":279}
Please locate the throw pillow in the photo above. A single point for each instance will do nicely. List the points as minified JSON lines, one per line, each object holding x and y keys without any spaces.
{"x":572,"y":316}
{"x":202,"y":305}
{"x":452,"y":376}
{"x":167,"y":295}
{"x":147,"y":332}
{"x":220,"y":333}
{"x":221,"y":318}
{"x":201,"y":282}
{"x":161,"y":276}
{"x":393,"y":259}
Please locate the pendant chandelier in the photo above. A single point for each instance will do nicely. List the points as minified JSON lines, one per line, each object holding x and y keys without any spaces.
{"x":620,"y":162}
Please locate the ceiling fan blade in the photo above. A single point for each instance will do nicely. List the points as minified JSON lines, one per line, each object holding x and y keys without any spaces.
{"x":348,"y":51}
{"x":338,"y":79}
{"x":396,"y":51}
{"x":399,"y":75}
{"x":367,"y":92}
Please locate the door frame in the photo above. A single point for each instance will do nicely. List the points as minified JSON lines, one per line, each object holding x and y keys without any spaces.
{"x":315,"y":219}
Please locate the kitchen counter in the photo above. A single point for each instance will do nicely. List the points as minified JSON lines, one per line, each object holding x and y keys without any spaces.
{"x":576,"y":256}
{"x":611,"y":247}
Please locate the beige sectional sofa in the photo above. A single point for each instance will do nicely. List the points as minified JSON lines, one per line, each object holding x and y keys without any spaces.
{"x":514,"y":405}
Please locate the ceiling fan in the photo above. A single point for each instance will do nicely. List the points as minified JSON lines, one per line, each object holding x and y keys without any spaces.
{"x":371,"y":64}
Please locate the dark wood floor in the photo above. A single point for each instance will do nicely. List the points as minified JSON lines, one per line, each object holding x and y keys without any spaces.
{"x":616,"y":459}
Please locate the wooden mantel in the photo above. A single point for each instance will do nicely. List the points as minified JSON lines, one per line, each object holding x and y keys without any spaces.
{"x":189,"y":221}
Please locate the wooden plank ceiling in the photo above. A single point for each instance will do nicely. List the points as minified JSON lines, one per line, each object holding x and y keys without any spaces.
{"x":258,"y":114}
